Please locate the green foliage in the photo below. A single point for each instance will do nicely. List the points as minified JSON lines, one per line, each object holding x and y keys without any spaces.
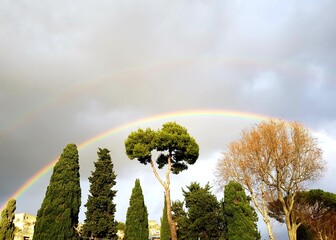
{"x":173,"y":141}
{"x":7,"y":227}
{"x":137,"y":215}
{"x":325,"y":200}
{"x":164,"y":230}
{"x":176,"y":149}
{"x":100,"y":212}
{"x":180,"y":217}
{"x":121,"y":226}
{"x":58,"y":215}
{"x":204,"y":216}
{"x":239,"y":216}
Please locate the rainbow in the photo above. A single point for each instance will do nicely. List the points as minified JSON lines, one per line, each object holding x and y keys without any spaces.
{"x":153,"y":118}
{"x":97,"y":84}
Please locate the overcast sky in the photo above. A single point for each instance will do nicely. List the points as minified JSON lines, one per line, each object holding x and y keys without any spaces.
{"x":70,"y":71}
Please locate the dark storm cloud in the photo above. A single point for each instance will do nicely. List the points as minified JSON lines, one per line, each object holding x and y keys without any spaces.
{"x":69,"y":71}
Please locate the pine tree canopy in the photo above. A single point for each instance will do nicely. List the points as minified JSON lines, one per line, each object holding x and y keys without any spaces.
{"x":58,"y":215}
{"x":101,"y":210}
{"x":173,"y":141}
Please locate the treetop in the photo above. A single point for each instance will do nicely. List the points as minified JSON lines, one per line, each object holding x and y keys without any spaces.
{"x":172,"y":141}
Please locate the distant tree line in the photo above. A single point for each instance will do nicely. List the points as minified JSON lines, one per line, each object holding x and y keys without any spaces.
{"x":266,"y":169}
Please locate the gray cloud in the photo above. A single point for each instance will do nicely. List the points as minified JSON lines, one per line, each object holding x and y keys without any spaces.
{"x":71,"y":71}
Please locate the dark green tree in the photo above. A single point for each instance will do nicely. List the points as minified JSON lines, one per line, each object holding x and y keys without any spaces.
{"x":164,"y":229}
{"x":176,"y":150}
{"x":239,"y":216}
{"x":58,"y":215}
{"x":181,"y":219}
{"x":100,"y":222}
{"x":121,"y":226}
{"x":7,"y":226}
{"x":203,"y":212}
{"x":137,"y":215}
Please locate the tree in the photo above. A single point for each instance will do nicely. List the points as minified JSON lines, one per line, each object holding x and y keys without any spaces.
{"x":58,"y":216}
{"x":304,"y":233}
{"x":121,"y":228}
{"x":137,"y":215}
{"x":7,"y":226}
{"x":180,"y":217}
{"x":164,"y":229}
{"x":99,"y":222}
{"x":315,"y":211}
{"x":271,"y":161}
{"x":176,"y":150}
{"x":204,"y":215}
{"x":239,"y":216}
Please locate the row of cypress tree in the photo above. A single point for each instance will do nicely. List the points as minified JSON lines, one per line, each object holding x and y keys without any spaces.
{"x":204,"y":217}
{"x":58,"y":216}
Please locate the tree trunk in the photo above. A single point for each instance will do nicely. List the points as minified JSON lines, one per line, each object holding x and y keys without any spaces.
{"x":291,"y":226}
{"x":172,"y":225}
{"x":291,"y":233}
{"x":262,"y":209}
{"x":269,"y":229}
{"x":166,"y":187}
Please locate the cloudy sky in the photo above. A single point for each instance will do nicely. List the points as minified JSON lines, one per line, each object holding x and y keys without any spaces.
{"x":70,"y":71}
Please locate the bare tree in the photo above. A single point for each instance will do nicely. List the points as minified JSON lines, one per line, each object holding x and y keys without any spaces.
{"x":273,"y":160}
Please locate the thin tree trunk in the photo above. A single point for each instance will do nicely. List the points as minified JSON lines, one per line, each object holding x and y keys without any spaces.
{"x":263,"y":210}
{"x":291,"y":233}
{"x":172,"y":225}
{"x":166,"y":187}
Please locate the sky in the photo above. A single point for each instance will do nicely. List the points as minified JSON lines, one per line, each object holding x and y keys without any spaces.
{"x":70,"y":71}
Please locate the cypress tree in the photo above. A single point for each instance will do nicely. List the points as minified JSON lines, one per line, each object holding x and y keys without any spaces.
{"x":137,"y":215}
{"x":7,"y":227}
{"x":239,"y":216}
{"x":99,"y":222}
{"x":58,"y":215}
{"x":164,"y":229}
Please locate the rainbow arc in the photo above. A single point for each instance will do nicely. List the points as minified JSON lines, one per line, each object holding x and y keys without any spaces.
{"x":178,"y":114}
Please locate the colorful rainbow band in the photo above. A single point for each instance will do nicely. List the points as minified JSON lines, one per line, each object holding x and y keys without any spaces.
{"x":178,"y":114}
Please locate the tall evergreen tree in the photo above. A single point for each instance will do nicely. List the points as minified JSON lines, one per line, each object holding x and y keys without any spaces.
{"x":137,"y":215}
{"x":100,"y":222}
{"x":7,"y":227}
{"x":204,"y":213}
{"x":58,"y":215}
{"x":239,"y":216}
{"x":164,"y":230}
